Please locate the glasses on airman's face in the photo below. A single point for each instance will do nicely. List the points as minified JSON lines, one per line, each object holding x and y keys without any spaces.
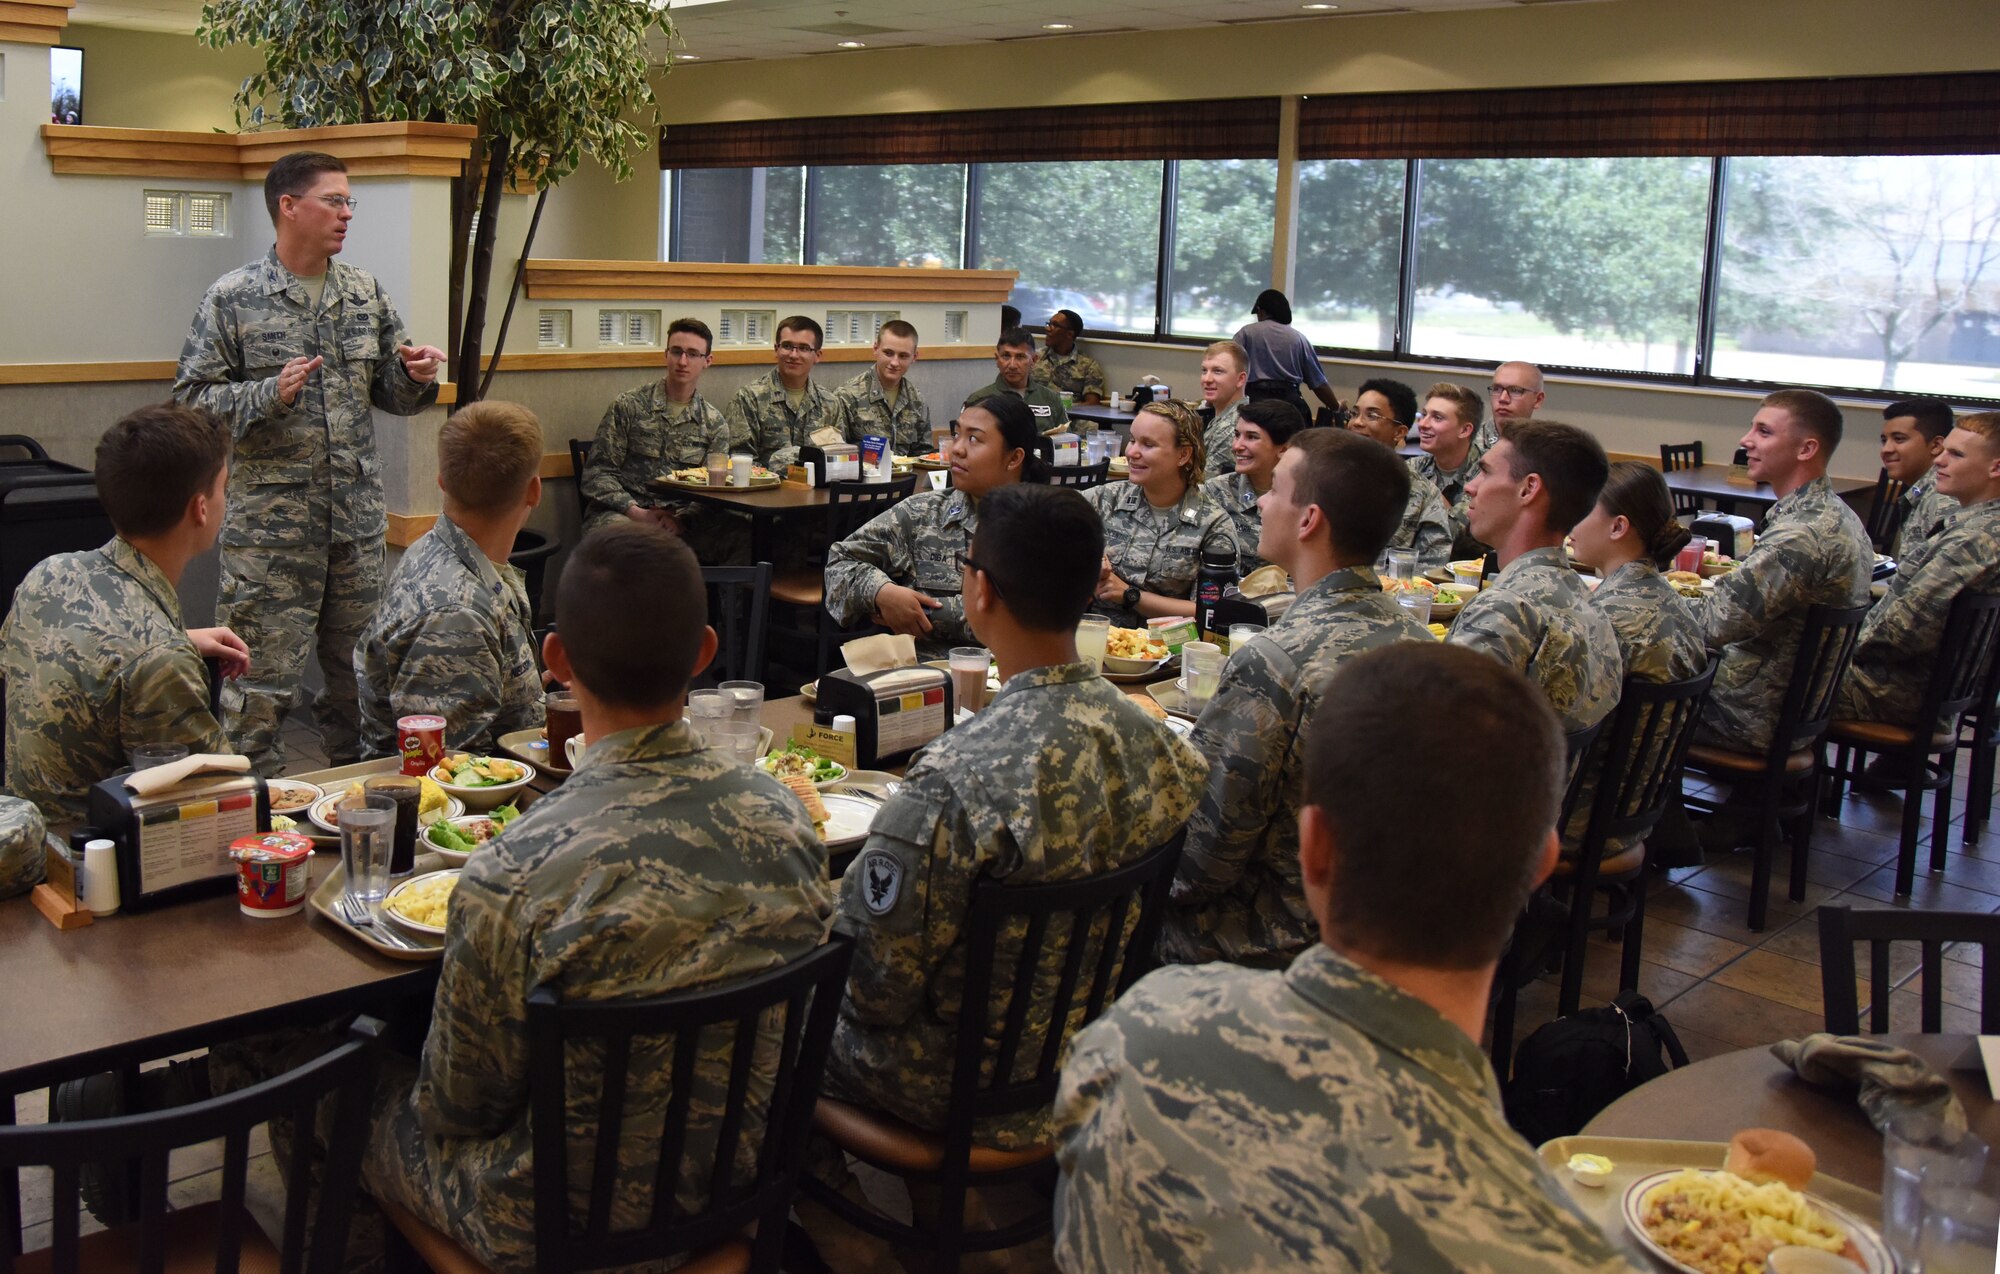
{"x":348,"y":202}
{"x":793,"y":347}
{"x":967,"y":565}
{"x":680,"y":355}
{"x":1509,"y":391}
{"x":1374,"y":416}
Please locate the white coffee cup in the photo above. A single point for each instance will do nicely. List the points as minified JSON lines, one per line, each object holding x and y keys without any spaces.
{"x":573,"y":748}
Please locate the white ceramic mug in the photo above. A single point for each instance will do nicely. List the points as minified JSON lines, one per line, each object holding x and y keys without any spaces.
{"x":573,"y":748}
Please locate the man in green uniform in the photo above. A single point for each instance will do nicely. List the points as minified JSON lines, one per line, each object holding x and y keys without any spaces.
{"x":1015,"y":357}
{"x":653,"y":430}
{"x":1062,"y":367}
{"x":658,"y":865}
{"x":291,"y":352}
{"x":1536,"y":617}
{"x":1383,"y":410}
{"x":94,"y":655}
{"x":1450,"y":456}
{"x":1913,"y":432}
{"x":1222,"y":381}
{"x":1331,"y":506}
{"x":455,"y":635}
{"x":781,"y":410}
{"x":1339,"y":1115}
{"x":881,"y":401}
{"x":1899,"y":641}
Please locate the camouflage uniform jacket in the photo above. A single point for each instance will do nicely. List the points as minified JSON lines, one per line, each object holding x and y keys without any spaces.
{"x":657,"y":866}
{"x":1220,"y":1118}
{"x":453,"y":638}
{"x":22,"y":837}
{"x":1237,"y":894}
{"x":915,"y":544}
{"x":1427,"y":526}
{"x":1219,"y":437}
{"x":761,"y":412}
{"x":1159,"y":550}
{"x":1536,"y":618}
{"x":860,"y":409}
{"x":1450,"y":486}
{"x":1233,"y":492}
{"x":644,"y":436}
{"x":1017,"y":794}
{"x":1924,"y":507}
{"x":1813,"y":552}
{"x":1051,"y":417}
{"x":96,"y":660}
{"x":1899,"y":639}
{"x":307,"y":473}
{"x":1075,"y":371}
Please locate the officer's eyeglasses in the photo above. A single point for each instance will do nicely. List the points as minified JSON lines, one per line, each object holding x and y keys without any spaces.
{"x":966,"y":564}
{"x":1375,"y":415}
{"x":1509,"y":391}
{"x":792,"y":347}
{"x":348,"y":202}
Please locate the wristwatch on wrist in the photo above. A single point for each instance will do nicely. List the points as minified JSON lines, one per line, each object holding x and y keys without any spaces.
{"x":1131,"y":597}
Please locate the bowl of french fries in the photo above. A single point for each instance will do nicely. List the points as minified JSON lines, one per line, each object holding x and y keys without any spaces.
{"x":1133,"y":650}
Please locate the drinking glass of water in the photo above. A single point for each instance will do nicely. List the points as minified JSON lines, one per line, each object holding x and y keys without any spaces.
{"x":367,"y":835}
{"x":1092,"y":631}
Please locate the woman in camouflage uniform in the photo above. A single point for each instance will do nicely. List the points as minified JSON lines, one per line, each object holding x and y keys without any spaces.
{"x":1157,"y":524}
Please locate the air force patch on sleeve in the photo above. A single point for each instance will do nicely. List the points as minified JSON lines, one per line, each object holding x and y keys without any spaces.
{"x":881,"y":881}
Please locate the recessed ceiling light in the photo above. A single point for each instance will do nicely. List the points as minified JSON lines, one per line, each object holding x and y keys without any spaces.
{"x":1058,"y":26}
{"x":1319,"y":8}
{"x":687,"y":57}
{"x":851,"y":44}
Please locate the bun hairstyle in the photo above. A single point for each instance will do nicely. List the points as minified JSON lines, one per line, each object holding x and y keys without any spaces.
{"x":1017,"y":431}
{"x":1637,"y":493}
{"x":1189,"y":432}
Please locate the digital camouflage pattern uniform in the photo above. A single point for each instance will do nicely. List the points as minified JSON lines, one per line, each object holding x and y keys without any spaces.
{"x":1536,"y":618}
{"x":1426,"y":525}
{"x":453,"y":638}
{"x":1924,"y":507}
{"x":1899,"y":639}
{"x":1075,"y":371}
{"x":644,"y":436}
{"x":1658,"y":641}
{"x":1051,"y":417}
{"x":1450,"y":484}
{"x":1220,"y":1118}
{"x":1219,"y":437}
{"x":23,"y":834}
{"x":658,"y":865}
{"x":916,"y":544}
{"x":1813,"y":551}
{"x":302,"y":541}
{"x":1017,"y":794}
{"x":860,"y":409}
{"x":1233,"y":492}
{"x":96,"y":661}
{"x":1159,"y":550}
{"x":1237,"y":894}
{"x":761,"y":412}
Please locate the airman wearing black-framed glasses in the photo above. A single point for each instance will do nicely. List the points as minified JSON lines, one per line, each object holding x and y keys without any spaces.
{"x":782,"y":409}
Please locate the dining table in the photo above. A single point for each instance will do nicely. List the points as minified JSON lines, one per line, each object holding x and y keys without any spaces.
{"x":1714,"y":1099}
{"x":1717,"y":484}
{"x":769,"y":508}
{"x":1103,"y":415}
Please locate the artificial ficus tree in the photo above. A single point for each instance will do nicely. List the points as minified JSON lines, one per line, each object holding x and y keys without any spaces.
{"x":546,"y":84}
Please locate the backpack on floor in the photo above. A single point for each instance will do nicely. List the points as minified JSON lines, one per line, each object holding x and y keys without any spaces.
{"x":1575,"y":1066}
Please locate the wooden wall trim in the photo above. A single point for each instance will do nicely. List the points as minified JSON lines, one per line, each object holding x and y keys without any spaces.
{"x":403,"y":149}
{"x":693,"y":281}
{"x":33,"y":21}
{"x":99,"y":373}
{"x":406,"y":529}
{"x":598,"y":360}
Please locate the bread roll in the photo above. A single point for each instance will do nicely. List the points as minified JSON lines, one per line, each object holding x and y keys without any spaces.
{"x":1765,"y":1154}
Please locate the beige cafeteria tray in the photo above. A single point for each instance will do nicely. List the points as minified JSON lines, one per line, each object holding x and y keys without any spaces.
{"x":1636,"y":1157}
{"x":407,"y":944}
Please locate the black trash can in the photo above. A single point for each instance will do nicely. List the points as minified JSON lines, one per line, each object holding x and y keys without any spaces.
{"x":46,"y":508}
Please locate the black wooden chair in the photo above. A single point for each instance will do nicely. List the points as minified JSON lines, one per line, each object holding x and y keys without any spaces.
{"x":1840,"y":928}
{"x":739,"y":603}
{"x":1118,"y":915}
{"x":217,"y":1235}
{"x":532,"y":551}
{"x":579,"y":453}
{"x":1961,"y":669}
{"x":1784,"y":779}
{"x":1675,"y":457}
{"x":850,"y":505}
{"x":711,"y":1038}
{"x":1080,"y":476}
{"x":1984,"y":723}
{"x":1886,"y":513}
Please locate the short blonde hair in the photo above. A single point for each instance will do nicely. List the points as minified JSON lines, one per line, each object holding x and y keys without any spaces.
{"x":1470,"y":410}
{"x":1236,"y":353}
{"x":488,"y":452}
{"x":1984,"y":423}
{"x":1189,"y":432}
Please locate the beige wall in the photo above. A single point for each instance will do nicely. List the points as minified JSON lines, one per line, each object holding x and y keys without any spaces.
{"x":152,"y":79}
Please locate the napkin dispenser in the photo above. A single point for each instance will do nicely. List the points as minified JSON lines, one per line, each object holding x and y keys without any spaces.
{"x":175,"y":844}
{"x":1066,"y":447}
{"x":1729,"y":532}
{"x":895,"y":711}
{"x":840,"y":462}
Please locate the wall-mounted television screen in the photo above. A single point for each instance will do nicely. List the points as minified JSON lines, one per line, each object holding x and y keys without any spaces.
{"x":65,"y":85}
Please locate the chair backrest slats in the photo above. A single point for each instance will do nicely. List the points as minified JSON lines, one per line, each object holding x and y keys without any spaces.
{"x":1886,"y":512}
{"x":742,"y":603}
{"x":742,"y":1055}
{"x":235,"y":1177}
{"x":1880,"y":927}
{"x":153,"y":1210}
{"x":63,"y":1190}
{"x":1111,"y":948}
{"x":1027,"y":963}
{"x":795,"y":1011}
{"x":298,"y":1178}
{"x":851,"y":505}
{"x":610,"y":1129}
{"x":1878,"y":987}
{"x":1642,"y":758}
{"x":1083,"y":939}
{"x":1963,"y":661}
{"x":673,"y":1141}
{"x":1086,"y":475}
{"x":1826,"y":646}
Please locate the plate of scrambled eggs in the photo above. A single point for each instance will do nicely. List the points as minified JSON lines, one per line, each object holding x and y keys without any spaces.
{"x":421,"y":902}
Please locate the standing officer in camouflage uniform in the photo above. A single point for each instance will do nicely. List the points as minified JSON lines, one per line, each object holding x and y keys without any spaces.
{"x":1536,"y":617}
{"x":653,"y":430}
{"x":1061,"y":367}
{"x":657,"y":865}
{"x":291,"y":351}
{"x":1899,"y":640}
{"x":781,"y":410}
{"x":23,"y":840}
{"x":882,"y":401}
{"x":1016,"y":795}
{"x":93,"y":654}
{"x":1159,"y":521}
{"x":1340,"y":1116}
{"x":1383,"y":410}
{"x":1264,"y":429}
{"x":455,"y":635}
{"x":1222,"y":382}
{"x":1014,"y":357}
{"x":1913,"y":432}
{"x":1445,"y":432}
{"x":1237,"y":894}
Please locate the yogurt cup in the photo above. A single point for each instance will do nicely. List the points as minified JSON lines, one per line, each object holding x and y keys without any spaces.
{"x":271,"y":871}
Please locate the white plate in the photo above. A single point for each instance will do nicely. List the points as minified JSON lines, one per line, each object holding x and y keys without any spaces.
{"x":313,"y":791}
{"x":821,"y":784}
{"x":1875,"y":1255}
{"x":451,"y":855}
{"x":1153,"y":668}
{"x":1180,"y":726}
{"x":453,"y":807}
{"x":436,"y":931}
{"x":848,"y":817}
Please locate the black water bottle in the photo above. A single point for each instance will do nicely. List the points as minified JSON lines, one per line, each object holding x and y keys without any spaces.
{"x":1218,"y":572}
